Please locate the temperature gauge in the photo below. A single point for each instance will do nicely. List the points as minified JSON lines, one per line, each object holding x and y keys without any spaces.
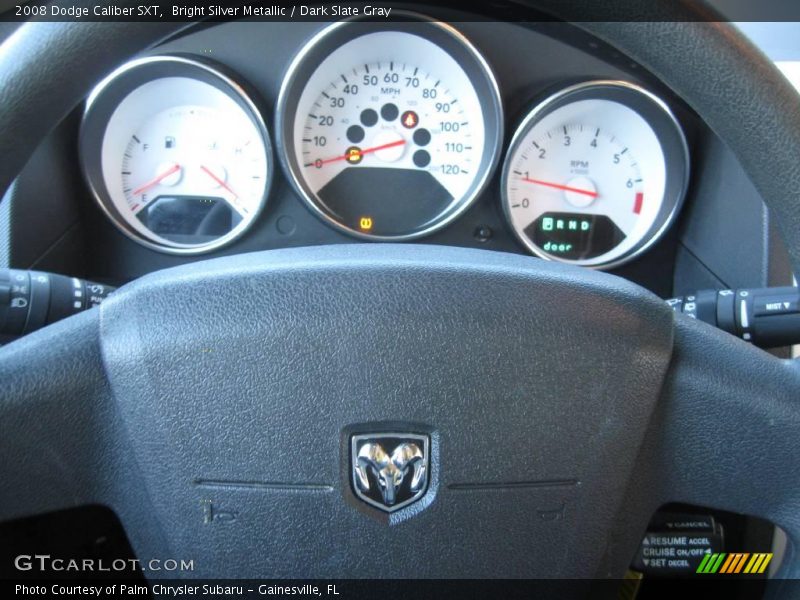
{"x":595,"y":174}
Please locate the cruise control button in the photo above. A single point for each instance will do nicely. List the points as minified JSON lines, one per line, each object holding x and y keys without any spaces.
{"x":671,"y":521}
{"x":675,"y":553}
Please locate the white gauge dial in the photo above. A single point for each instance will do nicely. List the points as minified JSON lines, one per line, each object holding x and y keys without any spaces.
{"x":393,"y":114}
{"x":586,"y":179}
{"x":193,"y":151}
{"x":390,"y":135}
{"x":184,"y":163}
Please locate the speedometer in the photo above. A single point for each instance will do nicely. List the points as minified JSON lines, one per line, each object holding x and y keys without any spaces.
{"x":595,"y":174}
{"x":389,"y":131}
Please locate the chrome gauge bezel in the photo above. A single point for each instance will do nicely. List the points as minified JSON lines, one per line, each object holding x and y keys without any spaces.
{"x":658,"y":115}
{"x":332,"y":37}
{"x":112,"y":90}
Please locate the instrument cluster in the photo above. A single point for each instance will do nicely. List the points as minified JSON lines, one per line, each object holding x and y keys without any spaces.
{"x":386,"y":131}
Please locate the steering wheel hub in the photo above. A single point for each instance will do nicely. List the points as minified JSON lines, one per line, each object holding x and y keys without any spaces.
{"x":497,"y":400}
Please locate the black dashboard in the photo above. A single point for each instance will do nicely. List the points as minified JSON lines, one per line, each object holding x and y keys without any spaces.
{"x":434,"y":128}
{"x":716,"y":234}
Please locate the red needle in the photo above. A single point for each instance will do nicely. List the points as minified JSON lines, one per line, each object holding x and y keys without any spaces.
{"x":208,"y":172}
{"x":360,"y":153}
{"x":558,"y":186}
{"x":173,"y":169}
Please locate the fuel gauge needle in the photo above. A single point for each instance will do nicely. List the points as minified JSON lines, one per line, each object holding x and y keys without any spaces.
{"x":173,"y":169}
{"x":222,"y":184}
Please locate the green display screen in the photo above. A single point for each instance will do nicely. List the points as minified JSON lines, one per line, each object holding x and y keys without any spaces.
{"x":574,"y":235}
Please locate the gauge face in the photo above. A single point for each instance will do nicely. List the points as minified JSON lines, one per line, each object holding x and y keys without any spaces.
{"x":390,"y":131}
{"x":183,"y":162}
{"x":595,"y":174}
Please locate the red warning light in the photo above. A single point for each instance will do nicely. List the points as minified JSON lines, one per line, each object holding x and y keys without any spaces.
{"x":409,"y":119}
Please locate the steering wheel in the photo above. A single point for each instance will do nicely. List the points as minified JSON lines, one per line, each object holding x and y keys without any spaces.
{"x":211,"y":406}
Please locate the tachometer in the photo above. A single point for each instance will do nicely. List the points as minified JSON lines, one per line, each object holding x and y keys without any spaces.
{"x":595,"y":174}
{"x":389,"y":131}
{"x":176,"y":153}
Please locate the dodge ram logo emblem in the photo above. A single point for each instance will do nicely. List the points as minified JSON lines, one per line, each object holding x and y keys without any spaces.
{"x":390,"y":470}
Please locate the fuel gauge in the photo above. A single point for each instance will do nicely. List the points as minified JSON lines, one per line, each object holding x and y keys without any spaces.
{"x":176,"y":153}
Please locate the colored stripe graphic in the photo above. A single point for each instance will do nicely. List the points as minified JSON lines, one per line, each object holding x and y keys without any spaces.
{"x":702,"y":565}
{"x":732,"y":563}
{"x":710,"y":563}
{"x":740,"y":562}
{"x":736,"y":562}
{"x":731,"y":559}
{"x":756,"y":558}
{"x":715,"y":565}
{"x":758,"y":564}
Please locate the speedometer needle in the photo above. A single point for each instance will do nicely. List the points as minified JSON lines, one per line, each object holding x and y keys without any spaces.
{"x":173,"y":169}
{"x":359,"y":153}
{"x":558,"y":186}
{"x":222,"y":184}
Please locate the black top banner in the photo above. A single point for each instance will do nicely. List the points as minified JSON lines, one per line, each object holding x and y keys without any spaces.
{"x":459,"y":10}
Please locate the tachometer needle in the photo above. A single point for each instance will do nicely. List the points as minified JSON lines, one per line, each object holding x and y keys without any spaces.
{"x":173,"y":169}
{"x":359,"y":153}
{"x":558,"y":186}
{"x":222,"y":184}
